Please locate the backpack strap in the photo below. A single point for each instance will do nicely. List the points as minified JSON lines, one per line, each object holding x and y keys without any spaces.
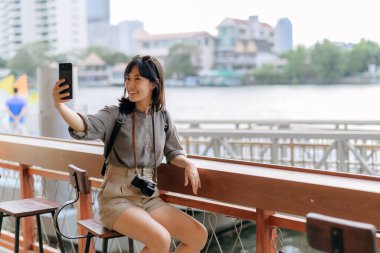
{"x":115,"y":131}
{"x":120,"y":119}
{"x":166,"y":121}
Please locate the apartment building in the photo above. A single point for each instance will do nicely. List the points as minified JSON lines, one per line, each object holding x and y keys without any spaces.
{"x":60,"y":23}
{"x":242,"y":45}
{"x":158,"y":45}
{"x":283,"y":35}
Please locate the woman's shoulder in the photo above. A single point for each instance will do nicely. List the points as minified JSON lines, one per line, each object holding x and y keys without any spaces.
{"x":110,"y":111}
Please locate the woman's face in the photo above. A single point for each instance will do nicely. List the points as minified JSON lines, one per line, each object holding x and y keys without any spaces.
{"x":138,"y":87}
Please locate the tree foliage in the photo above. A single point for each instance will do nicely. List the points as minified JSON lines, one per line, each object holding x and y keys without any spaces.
{"x":362,"y":55}
{"x":268,"y":74}
{"x":29,"y":57}
{"x":327,"y":59}
{"x":325,"y":62}
{"x":181,"y":61}
{"x":3,"y":63}
{"x":298,"y":68}
{"x":111,"y":57}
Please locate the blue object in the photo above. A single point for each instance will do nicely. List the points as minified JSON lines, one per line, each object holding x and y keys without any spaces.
{"x":15,"y":105}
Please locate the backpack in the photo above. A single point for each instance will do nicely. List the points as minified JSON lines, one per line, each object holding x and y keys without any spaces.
{"x":115,"y":131}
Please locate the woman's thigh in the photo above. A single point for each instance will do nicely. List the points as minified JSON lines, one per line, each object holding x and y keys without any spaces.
{"x":180,"y":225}
{"x":136,"y":223}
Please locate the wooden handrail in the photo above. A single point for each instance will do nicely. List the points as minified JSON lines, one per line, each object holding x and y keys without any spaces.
{"x":247,"y":190}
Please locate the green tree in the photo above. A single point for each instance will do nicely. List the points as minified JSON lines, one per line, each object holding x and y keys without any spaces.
{"x":115,"y":57}
{"x":29,"y":57}
{"x":109,"y":56}
{"x":268,"y":74}
{"x":328,"y":61}
{"x":180,"y":61}
{"x":362,"y":55}
{"x":297,"y":70}
{"x":3,"y":63}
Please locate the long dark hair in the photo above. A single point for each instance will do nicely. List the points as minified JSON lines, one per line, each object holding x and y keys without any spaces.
{"x":150,"y":68}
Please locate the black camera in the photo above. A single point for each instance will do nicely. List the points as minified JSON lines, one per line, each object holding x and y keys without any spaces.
{"x":145,"y":185}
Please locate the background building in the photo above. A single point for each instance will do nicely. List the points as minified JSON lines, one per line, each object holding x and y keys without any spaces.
{"x":102,"y":33}
{"x":159,"y":45}
{"x":60,"y":23}
{"x":126,"y":30}
{"x":243,"y":45}
{"x":283,"y":35}
{"x":98,"y":11}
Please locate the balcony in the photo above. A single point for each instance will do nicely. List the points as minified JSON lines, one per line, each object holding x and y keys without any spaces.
{"x":269,"y":196}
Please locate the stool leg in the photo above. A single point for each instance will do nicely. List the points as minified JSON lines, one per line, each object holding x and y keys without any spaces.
{"x":131,"y":247}
{"x":59,"y":238}
{"x":17,"y":235}
{"x":88,"y":242}
{"x":105,"y":245}
{"x":40,"y":243}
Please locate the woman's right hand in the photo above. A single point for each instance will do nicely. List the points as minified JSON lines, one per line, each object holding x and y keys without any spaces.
{"x":56,"y":93}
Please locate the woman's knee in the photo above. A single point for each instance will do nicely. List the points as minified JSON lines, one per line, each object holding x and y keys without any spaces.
{"x":199,"y":236}
{"x":160,"y":242}
{"x":202,"y":236}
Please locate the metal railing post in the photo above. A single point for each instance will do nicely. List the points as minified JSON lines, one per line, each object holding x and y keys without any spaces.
{"x":274,"y":151}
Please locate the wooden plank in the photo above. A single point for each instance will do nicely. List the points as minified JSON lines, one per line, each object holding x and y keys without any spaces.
{"x":51,"y":153}
{"x":288,"y":222}
{"x":84,"y":209}
{"x":9,"y":166}
{"x":27,"y":191}
{"x":264,"y":235}
{"x":210,"y":206}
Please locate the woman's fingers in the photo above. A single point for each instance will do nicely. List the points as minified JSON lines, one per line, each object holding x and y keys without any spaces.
{"x":194,"y":184}
{"x":186,"y":179}
{"x":58,"y":83}
{"x":57,"y":94}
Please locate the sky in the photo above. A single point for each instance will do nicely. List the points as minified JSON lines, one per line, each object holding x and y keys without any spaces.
{"x":312,"y":20}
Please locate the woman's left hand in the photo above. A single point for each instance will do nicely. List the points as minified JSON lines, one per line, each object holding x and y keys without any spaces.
{"x":191,"y":174}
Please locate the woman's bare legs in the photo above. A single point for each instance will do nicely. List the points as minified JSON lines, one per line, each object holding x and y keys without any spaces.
{"x":191,"y":233}
{"x":139,"y":225}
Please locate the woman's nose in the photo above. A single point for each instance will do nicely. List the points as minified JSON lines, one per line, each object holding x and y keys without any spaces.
{"x":128,"y":84}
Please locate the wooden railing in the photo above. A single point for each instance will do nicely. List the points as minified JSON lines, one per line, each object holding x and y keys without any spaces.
{"x":246,"y":190}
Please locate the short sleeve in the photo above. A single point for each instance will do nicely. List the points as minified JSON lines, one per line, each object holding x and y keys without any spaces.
{"x":173,"y":146}
{"x":96,"y":124}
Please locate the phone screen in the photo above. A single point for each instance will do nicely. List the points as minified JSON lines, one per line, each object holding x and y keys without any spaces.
{"x":66,"y":72}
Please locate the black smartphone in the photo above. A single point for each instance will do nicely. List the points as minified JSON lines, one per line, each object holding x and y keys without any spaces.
{"x":66,"y":72}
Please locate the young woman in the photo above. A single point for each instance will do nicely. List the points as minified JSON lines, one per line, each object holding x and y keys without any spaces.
{"x":140,"y":145}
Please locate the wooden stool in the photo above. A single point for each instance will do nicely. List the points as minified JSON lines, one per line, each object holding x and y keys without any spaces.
{"x":94,"y":227}
{"x":330,"y":234}
{"x":26,"y":208}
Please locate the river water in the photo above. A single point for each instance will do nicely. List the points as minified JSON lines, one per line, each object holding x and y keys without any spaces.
{"x":336,"y":102}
